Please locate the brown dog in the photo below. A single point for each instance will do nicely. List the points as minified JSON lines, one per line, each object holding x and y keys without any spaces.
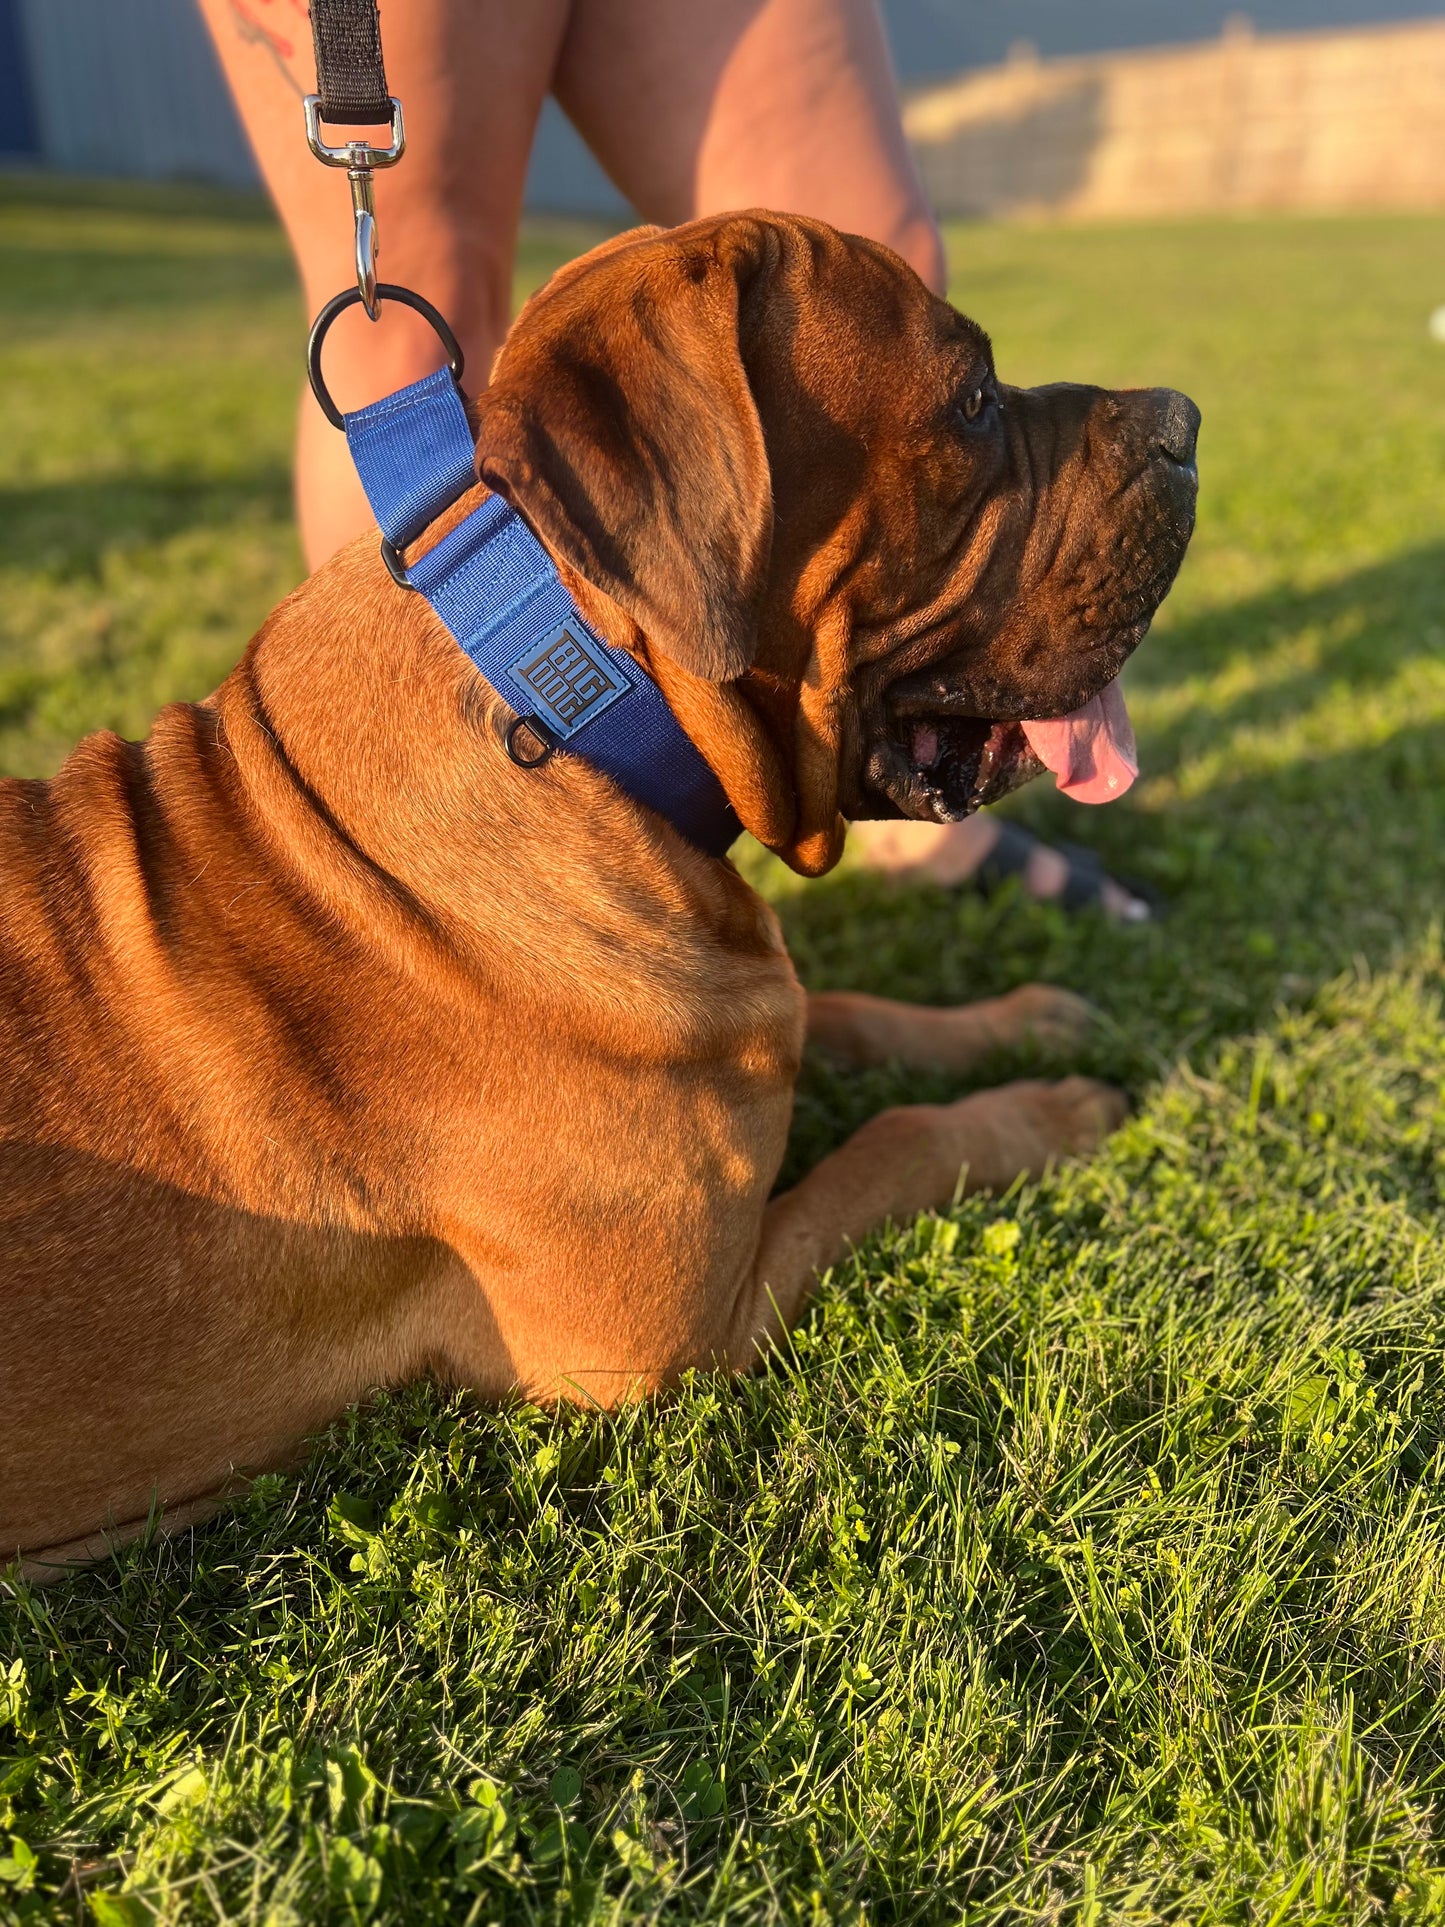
{"x":335,"y":1048}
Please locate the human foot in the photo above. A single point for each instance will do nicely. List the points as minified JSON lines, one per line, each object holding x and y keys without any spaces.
{"x":987,"y":850}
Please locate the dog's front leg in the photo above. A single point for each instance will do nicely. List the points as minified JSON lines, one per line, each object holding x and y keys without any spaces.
{"x":860,"y":1029}
{"x":898,"y":1164}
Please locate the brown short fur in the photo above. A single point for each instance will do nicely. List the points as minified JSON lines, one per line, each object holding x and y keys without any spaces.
{"x":335,"y":1048}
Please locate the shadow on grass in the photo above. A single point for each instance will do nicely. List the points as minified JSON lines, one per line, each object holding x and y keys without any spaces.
{"x":65,"y":529}
{"x":65,"y":289}
{"x":1368,"y":625}
{"x":173,"y":200}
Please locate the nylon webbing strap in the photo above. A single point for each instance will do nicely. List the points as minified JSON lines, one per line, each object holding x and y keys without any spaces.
{"x":413,"y":451}
{"x":498,"y":592}
{"x":350,"y":77}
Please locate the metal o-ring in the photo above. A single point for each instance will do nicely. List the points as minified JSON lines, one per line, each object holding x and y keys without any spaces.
{"x":536,"y":728}
{"x":349,"y":298}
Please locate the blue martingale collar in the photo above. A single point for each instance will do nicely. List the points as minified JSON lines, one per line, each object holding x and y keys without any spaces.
{"x":498,"y":592}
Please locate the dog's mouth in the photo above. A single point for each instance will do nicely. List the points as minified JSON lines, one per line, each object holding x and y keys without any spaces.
{"x":943,"y":768}
{"x":947,"y":767}
{"x":932,"y":761}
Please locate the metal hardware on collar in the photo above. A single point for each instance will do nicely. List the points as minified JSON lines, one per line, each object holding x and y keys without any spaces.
{"x":395,"y":567}
{"x":360,"y":159}
{"x":354,"y":153}
{"x":348,"y":298}
{"x":537,"y":729}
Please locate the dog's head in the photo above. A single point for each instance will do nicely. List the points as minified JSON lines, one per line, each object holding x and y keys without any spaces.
{"x":872,"y":579}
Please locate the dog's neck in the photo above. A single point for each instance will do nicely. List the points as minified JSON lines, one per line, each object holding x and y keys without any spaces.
{"x":774,"y":737}
{"x":374,"y":750}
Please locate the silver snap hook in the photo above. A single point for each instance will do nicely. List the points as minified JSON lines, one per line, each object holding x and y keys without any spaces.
{"x":360,"y":159}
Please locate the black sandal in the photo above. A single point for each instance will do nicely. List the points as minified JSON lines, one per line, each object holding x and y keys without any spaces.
{"x":1083,"y":886}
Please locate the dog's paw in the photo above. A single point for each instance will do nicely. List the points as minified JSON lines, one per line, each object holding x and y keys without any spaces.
{"x":1042,"y":1014}
{"x":1020,"y":1129}
{"x":1082,"y":1112}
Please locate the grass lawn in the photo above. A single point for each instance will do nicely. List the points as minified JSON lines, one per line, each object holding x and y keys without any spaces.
{"x":1085,"y":1561}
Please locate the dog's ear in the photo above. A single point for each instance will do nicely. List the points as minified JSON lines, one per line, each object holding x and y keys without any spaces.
{"x":621,"y":423}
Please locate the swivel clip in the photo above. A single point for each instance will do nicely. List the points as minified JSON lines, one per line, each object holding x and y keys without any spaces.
{"x":360,"y":159}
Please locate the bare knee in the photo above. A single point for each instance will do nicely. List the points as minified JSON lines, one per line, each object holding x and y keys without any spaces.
{"x":466,"y":274}
{"x":464,"y":266}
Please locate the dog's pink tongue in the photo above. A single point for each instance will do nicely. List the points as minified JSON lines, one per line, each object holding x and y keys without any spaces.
{"x":1091,"y":752}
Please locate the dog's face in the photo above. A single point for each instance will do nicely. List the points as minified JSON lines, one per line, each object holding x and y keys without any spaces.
{"x":797,"y":473}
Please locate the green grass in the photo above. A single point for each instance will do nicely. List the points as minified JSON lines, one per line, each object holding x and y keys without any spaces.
{"x":1085,"y":1561}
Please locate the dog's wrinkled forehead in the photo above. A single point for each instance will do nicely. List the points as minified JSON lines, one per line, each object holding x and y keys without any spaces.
{"x":863,"y":336}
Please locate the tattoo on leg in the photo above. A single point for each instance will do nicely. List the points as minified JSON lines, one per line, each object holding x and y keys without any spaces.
{"x":255,"y":33}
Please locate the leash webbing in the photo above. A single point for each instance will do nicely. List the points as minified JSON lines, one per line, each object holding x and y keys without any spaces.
{"x":350,"y":77}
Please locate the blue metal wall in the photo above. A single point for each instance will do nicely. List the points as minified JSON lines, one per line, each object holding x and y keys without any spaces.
{"x":18,"y":135}
{"x":131,"y":87}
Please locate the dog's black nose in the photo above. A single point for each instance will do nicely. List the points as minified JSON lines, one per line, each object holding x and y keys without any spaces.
{"x":1178,"y":424}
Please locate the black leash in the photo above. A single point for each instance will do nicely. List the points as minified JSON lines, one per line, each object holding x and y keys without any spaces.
{"x":350,"y":77}
{"x":351,"y":92}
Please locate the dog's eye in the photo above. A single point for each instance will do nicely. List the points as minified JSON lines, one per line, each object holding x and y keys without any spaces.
{"x":972,"y":406}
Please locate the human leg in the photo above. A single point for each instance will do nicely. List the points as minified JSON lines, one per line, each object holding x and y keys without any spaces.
{"x":953,"y":853}
{"x":472,"y":80}
{"x":749,"y":103}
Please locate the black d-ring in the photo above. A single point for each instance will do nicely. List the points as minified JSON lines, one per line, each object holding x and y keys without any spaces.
{"x":348,"y":298}
{"x":536,"y":728}
{"x":391,"y":556}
